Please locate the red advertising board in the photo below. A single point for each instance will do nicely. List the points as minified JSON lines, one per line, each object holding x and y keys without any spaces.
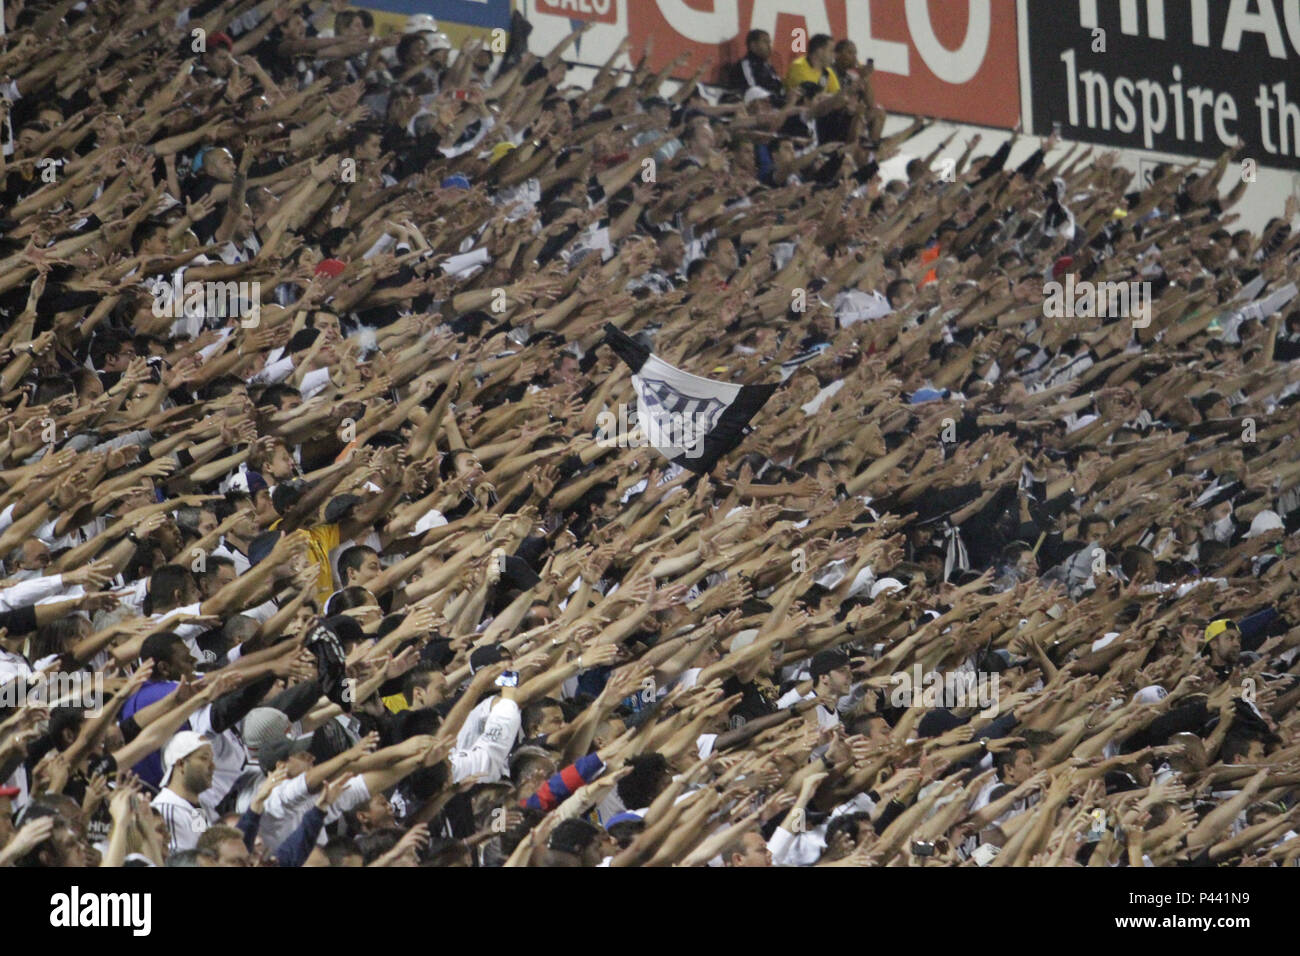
{"x":596,"y":11}
{"x":955,"y":59}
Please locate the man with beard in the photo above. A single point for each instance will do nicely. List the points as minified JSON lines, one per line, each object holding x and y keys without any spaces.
{"x":187,"y":763}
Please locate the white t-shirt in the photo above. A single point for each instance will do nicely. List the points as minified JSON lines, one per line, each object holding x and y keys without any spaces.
{"x":491,"y":750}
{"x":185,"y":822}
{"x":290,"y":801}
{"x":229,"y":758}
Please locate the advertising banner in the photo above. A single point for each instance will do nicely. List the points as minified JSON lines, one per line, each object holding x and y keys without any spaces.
{"x":1178,"y":76}
{"x":955,"y":59}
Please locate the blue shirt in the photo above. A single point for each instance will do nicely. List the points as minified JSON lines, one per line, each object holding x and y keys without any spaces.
{"x":150,"y":768}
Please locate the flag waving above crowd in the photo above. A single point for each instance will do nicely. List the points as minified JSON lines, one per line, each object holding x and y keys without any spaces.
{"x":691,"y":421}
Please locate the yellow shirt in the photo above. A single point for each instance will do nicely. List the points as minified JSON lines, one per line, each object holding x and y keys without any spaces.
{"x":801,"y":71}
{"x":324,"y":539}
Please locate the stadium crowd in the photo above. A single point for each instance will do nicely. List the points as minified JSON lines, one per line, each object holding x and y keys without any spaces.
{"x":307,"y":478}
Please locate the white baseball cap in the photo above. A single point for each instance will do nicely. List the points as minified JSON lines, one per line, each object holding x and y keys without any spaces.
{"x":1150,"y":695}
{"x":885,"y":585}
{"x":178,"y":748}
{"x":420,"y":23}
{"x":1264,"y":522}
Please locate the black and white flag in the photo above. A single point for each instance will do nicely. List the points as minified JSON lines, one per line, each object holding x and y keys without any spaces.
{"x":691,"y":421}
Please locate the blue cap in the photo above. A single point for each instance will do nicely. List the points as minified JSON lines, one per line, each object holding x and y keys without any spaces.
{"x":922,"y":395}
{"x":455,"y":182}
{"x":625,"y":817}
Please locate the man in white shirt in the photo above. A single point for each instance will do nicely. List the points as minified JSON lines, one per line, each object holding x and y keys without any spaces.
{"x":375,"y":773}
{"x":187,"y":772}
{"x":832,"y":679}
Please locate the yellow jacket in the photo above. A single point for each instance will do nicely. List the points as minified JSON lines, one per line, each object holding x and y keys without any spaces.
{"x":801,"y":71}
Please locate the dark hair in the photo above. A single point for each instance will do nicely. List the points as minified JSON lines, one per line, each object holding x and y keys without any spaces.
{"x":363,"y":131}
{"x":427,"y":782}
{"x":526,"y":759}
{"x":512,"y":837}
{"x":644,"y":783}
{"x":376,"y":843}
{"x":533,"y":713}
{"x":1014,"y":550}
{"x":159,"y":647}
{"x":1087,"y":521}
{"x":447,"y":467}
{"x":346,"y":600}
{"x":352,"y":558}
{"x":214,"y":563}
{"x":64,"y":718}
{"x":934,"y":551}
{"x":1007,"y":756}
{"x":35,"y":812}
{"x":417,"y":677}
{"x":1237,"y":744}
{"x":105,"y":344}
{"x":443,"y":850}
{"x":1130,"y":560}
{"x":53,"y":637}
{"x":50,"y":387}
{"x":696,"y":267}
{"x":846,"y":823}
{"x":340,"y":847}
{"x":819,"y":41}
{"x":278,"y":394}
{"x":1211,"y":553}
{"x":892,"y":290}
{"x":405,"y":44}
{"x":625,"y":832}
{"x":168,"y":585}
{"x":573,"y":836}
{"x":222,"y":386}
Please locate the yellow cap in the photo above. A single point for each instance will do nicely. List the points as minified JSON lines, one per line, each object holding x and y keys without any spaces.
{"x":1215,"y":628}
{"x":499,"y":151}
